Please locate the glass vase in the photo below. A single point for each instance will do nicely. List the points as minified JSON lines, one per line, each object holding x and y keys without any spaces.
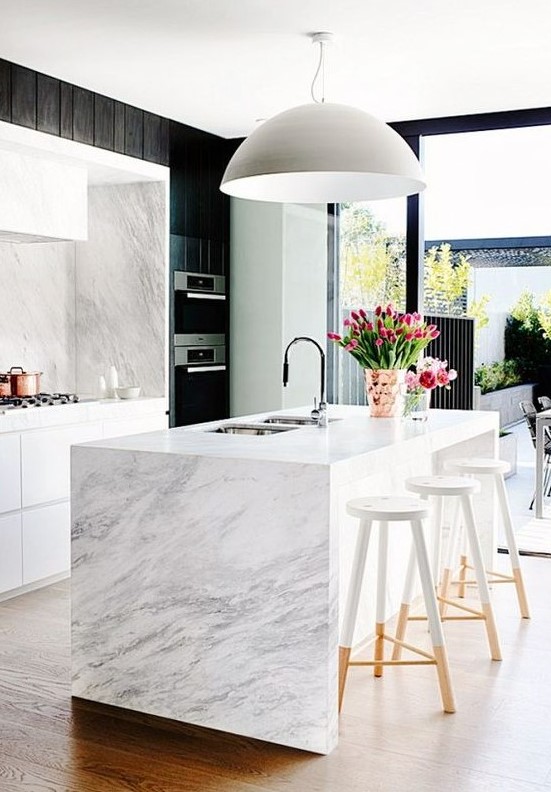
{"x":417,"y":404}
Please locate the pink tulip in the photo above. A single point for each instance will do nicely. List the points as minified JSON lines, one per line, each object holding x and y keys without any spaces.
{"x":379,"y":342}
{"x":416,"y":316}
{"x":434,"y":333}
{"x":391,"y":337}
{"x":352,"y":345}
{"x":399,"y":331}
{"x":390,"y":310}
{"x":355,"y":315}
{"x":347,"y":323}
{"x":383,"y":332}
{"x":408,"y":318}
{"x":369,"y":326}
{"x":378,"y":310}
{"x":419,"y":333}
{"x":334,"y":336}
{"x":362,"y":313}
{"x":409,"y":336}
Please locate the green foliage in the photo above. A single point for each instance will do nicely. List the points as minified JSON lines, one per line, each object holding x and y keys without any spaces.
{"x":446,"y":281}
{"x":528,"y":334}
{"x":496,"y":376}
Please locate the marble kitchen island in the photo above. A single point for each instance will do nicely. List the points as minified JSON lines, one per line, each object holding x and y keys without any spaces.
{"x":207,"y":568}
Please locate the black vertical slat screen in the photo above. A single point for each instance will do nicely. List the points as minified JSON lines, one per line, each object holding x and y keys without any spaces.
{"x":456,"y":345}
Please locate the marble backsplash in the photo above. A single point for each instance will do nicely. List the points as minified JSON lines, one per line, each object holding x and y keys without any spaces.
{"x":121,"y":288}
{"x":72,"y":309}
{"x":37,"y":317}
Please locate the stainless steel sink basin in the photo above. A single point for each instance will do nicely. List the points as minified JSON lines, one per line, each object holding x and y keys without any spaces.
{"x":296,"y":420}
{"x":251,"y":429}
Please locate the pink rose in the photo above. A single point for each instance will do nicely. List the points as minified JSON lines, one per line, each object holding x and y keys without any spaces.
{"x":442,"y":377}
{"x":427,"y":379}
{"x":334,"y":336}
{"x":379,"y":342}
{"x":452,"y":374}
{"x":411,"y":380}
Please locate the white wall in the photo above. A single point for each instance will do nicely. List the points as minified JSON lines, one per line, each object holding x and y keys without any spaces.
{"x":504,"y":286}
{"x":278,"y":291}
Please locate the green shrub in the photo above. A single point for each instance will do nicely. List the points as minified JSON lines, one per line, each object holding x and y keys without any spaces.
{"x":526,"y":340}
{"x":496,"y":376}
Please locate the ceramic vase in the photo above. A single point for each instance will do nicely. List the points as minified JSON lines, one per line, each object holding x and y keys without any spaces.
{"x":385,"y":390}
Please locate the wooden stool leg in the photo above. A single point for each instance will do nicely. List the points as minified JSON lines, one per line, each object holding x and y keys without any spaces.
{"x":352,"y":602}
{"x":406,"y":602}
{"x":381,"y":597}
{"x":481,"y":580}
{"x":512,"y":545}
{"x":436,"y":634}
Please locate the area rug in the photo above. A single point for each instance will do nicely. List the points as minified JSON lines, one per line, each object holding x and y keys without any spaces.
{"x":534,"y":538}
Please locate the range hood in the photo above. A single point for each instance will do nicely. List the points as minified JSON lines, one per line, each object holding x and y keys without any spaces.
{"x":41,"y":199}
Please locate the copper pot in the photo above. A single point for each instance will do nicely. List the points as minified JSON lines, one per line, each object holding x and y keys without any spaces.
{"x":24,"y":383}
{"x":5,"y":385}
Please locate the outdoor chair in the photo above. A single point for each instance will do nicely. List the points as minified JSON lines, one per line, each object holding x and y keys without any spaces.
{"x":545,"y":402}
{"x":529,"y":412}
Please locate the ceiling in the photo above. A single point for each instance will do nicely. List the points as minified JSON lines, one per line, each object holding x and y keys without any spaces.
{"x":221,"y":64}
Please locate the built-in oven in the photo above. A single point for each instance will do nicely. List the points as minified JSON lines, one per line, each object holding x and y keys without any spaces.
{"x":200,"y":382}
{"x":199,"y":307}
{"x":200,"y":325}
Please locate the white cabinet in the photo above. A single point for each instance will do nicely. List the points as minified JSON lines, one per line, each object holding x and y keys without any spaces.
{"x":11,"y":569}
{"x":46,"y":541}
{"x":130,"y":426}
{"x":10,"y":472}
{"x":46,"y":461}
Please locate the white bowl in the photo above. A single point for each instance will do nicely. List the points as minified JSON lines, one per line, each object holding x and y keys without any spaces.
{"x":129,"y":392}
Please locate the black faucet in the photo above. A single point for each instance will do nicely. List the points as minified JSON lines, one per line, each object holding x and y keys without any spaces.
{"x":319,"y":413}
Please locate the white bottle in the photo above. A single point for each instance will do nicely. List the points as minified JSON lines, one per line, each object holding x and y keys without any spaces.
{"x":112,"y":383}
{"x":101,"y":387}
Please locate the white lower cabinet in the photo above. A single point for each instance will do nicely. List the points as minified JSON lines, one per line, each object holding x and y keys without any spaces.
{"x":10,"y":472}
{"x":11,"y":560}
{"x":46,"y":541}
{"x":46,"y":461}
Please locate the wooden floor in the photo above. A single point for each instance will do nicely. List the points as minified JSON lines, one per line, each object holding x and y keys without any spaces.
{"x":393,"y":735}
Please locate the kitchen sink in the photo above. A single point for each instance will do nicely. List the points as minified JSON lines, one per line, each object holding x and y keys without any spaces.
{"x":296,"y":420}
{"x":251,"y":429}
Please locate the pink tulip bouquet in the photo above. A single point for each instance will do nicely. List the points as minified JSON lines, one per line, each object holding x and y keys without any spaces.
{"x":429,"y":373}
{"x":385,"y":340}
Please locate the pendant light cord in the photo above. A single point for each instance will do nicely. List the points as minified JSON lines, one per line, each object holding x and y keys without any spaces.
{"x":321,"y":67}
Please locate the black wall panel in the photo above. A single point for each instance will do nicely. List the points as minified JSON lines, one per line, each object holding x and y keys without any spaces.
{"x":66,"y":110}
{"x":119,"y":128}
{"x":133,"y":132}
{"x":151,"y":137}
{"x":47,"y":104}
{"x":83,"y":115}
{"x":5,"y":91}
{"x":23,"y":96}
{"x":104,"y":122}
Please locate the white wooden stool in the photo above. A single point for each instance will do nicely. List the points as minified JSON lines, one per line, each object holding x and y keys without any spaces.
{"x":385,"y":510}
{"x":496,"y":468}
{"x":462,"y":489}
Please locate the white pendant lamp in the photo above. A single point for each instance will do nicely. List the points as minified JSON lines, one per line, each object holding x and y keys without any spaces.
{"x":323,"y":153}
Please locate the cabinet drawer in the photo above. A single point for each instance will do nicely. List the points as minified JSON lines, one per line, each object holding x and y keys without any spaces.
{"x":46,"y":461}
{"x":11,"y":573}
{"x":130,"y":426}
{"x":10,"y":472}
{"x":46,"y":541}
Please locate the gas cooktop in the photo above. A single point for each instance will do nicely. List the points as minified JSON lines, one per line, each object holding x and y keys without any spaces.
{"x":40,"y":400}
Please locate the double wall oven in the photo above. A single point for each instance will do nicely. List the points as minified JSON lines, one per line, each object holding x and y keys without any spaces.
{"x":200,"y":325}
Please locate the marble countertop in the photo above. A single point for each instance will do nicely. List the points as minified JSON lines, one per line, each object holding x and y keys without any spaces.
{"x":352,"y":434}
{"x":84,"y":411}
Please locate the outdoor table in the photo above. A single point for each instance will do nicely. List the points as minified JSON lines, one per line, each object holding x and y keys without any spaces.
{"x":543,"y":420}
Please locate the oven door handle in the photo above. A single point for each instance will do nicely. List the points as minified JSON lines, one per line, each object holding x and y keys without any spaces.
{"x":204,"y":369}
{"x":199,"y":296}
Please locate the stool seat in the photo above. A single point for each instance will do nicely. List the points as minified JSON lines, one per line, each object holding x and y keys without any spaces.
{"x":477,"y":466}
{"x":389,"y":508}
{"x":442,"y":485}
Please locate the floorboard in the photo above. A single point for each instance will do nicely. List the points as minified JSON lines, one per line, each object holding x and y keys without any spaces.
{"x":393,"y":735}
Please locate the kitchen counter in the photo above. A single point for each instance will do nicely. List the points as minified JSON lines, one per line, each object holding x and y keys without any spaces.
{"x":87,"y":410}
{"x":208,"y":568}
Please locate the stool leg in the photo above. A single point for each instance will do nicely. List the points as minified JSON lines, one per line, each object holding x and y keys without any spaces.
{"x":381,"y":597}
{"x":436,"y":634}
{"x":406,"y":602}
{"x":352,"y":601}
{"x":512,"y":545}
{"x":451,"y":554}
{"x":481,"y":580}
{"x":437,"y":519}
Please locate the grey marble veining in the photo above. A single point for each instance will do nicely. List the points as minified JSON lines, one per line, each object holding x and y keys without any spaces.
{"x":37,"y":320}
{"x":121,"y":288}
{"x":207,"y":592}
